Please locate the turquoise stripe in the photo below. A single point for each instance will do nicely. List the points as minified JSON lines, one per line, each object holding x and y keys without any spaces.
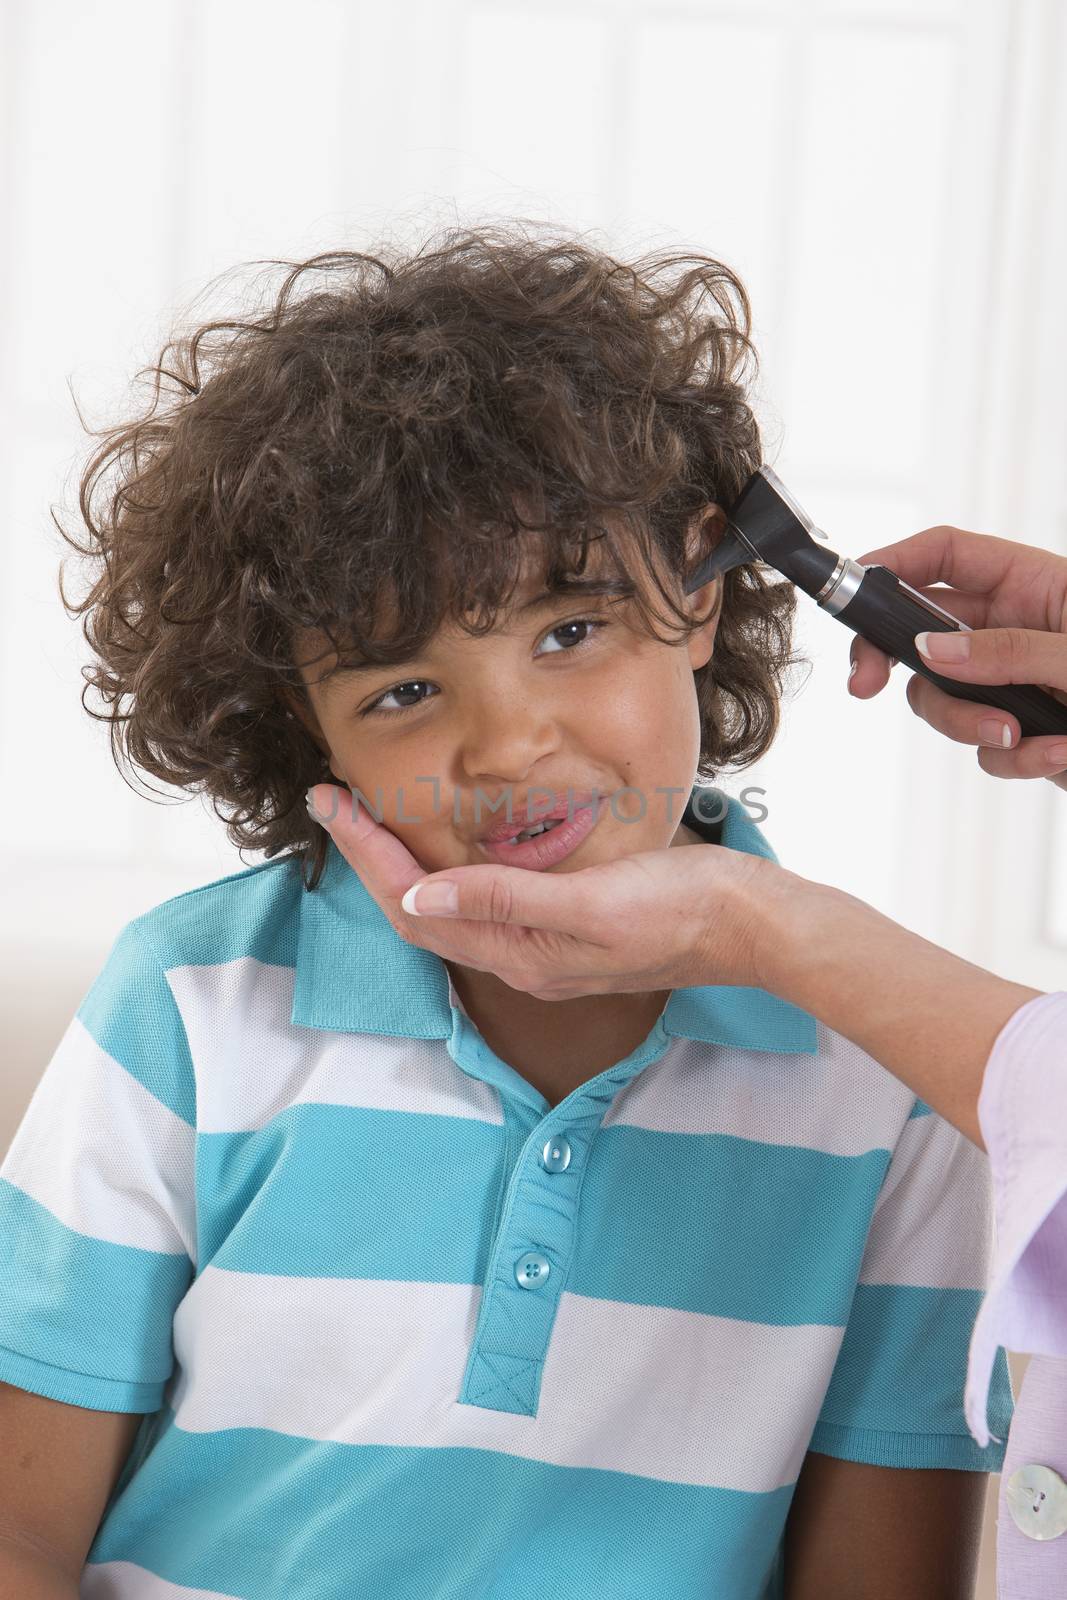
{"x":102,"y":1310}
{"x":76,"y":1388}
{"x":255,"y":913}
{"x":349,"y":1192}
{"x":902,"y":1365}
{"x":952,"y":1452}
{"x":920,"y":1109}
{"x":250,"y":1512}
{"x":739,"y":831}
{"x":132,"y":1014}
{"x":774,"y":1233}
{"x":130,"y":1008}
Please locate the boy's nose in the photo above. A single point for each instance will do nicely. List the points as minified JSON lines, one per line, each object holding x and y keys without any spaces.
{"x":509,"y":748}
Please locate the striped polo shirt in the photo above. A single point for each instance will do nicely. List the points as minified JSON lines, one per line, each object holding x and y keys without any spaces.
{"x":400,"y":1329}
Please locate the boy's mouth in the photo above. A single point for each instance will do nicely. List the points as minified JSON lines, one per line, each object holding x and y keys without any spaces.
{"x":538,"y":847}
{"x":532,"y":820}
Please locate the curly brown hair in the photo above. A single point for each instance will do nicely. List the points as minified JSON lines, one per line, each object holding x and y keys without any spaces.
{"x":371,"y":441}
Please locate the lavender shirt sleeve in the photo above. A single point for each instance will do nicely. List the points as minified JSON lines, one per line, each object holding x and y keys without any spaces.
{"x":1031,"y":1569}
{"x":1022,"y":1112}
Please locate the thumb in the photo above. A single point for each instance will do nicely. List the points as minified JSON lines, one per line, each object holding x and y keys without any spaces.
{"x":503,"y":894}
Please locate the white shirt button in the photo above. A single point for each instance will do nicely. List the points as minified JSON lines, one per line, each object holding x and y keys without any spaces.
{"x":1037,"y":1500}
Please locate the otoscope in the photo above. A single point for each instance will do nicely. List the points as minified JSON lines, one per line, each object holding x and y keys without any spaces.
{"x":766,"y":524}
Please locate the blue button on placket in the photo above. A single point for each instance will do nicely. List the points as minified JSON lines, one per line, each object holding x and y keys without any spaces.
{"x":532,"y":1270}
{"x":556,"y":1155}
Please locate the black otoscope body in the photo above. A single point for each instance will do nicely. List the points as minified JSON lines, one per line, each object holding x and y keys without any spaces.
{"x":766,"y":524}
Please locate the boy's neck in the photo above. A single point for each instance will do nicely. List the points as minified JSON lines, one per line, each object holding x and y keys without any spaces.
{"x":556,"y":1045}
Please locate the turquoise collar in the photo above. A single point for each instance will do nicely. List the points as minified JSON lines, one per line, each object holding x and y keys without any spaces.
{"x":354,"y":974}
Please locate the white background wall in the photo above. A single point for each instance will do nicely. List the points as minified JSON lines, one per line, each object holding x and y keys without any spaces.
{"x":887,"y":176}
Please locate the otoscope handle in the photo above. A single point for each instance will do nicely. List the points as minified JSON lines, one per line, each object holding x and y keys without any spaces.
{"x":888,"y":612}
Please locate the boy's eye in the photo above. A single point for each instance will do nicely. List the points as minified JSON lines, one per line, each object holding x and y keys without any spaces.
{"x":576,"y":622}
{"x":378,"y":709}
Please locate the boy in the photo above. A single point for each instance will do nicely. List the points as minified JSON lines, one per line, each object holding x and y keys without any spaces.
{"x":420,"y":1286}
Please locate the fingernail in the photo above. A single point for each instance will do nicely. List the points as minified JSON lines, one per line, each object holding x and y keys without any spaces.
{"x":991,"y":731}
{"x":944,"y":646}
{"x":852,"y":671}
{"x":437,"y":899}
{"x":324,"y":809}
{"x":1056,"y":755}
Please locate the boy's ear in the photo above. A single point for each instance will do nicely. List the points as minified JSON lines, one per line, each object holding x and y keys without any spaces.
{"x":705,"y":530}
{"x":306,"y":715}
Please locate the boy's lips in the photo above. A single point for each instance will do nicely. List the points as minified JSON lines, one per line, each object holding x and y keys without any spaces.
{"x":529,"y":816}
{"x":546,"y":849}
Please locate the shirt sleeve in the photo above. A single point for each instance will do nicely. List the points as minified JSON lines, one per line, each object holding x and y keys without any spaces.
{"x":895,"y":1398}
{"x":1022,"y":1112}
{"x":97,"y":1217}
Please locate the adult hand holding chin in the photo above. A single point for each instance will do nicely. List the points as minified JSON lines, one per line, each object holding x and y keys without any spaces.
{"x":662,"y":919}
{"x":703,"y":914}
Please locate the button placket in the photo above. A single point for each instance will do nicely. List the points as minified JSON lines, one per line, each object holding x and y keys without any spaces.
{"x":528,"y":1269}
{"x":532,"y":1269}
{"x":538,"y":1219}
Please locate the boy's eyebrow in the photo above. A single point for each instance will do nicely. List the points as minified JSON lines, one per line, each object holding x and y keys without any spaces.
{"x":620,"y":587}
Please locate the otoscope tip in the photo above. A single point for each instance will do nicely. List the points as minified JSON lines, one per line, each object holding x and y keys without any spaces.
{"x":730,"y":552}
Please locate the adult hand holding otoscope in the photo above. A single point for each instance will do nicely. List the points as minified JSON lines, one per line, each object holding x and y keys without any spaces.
{"x":989,"y":653}
{"x":1014,"y":598}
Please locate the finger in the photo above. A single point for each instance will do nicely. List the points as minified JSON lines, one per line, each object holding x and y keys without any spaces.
{"x":387,"y":870}
{"x":870,"y":669}
{"x":383,"y":863}
{"x":998,"y":655}
{"x":1003,"y":753}
{"x":1044,"y":757}
{"x":547,"y":928}
{"x":565,"y":904}
{"x":873,"y":666}
{"x":963,"y":721}
{"x":976,"y":562}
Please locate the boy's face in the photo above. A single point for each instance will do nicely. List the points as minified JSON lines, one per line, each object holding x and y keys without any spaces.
{"x":533,"y":705}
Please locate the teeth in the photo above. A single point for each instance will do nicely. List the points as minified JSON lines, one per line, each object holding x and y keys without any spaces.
{"x":539,"y":827}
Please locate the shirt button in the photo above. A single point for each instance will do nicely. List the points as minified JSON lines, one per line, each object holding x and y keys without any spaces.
{"x":556,"y":1156}
{"x":532,"y":1269}
{"x":1037,"y":1500}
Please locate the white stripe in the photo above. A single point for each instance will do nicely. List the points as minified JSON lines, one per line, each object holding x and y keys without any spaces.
{"x":103,"y":1154}
{"x":933,"y":1224}
{"x":123,"y":1580}
{"x":251,"y":1062}
{"x":628,"y":1388}
{"x":840,"y":1100}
